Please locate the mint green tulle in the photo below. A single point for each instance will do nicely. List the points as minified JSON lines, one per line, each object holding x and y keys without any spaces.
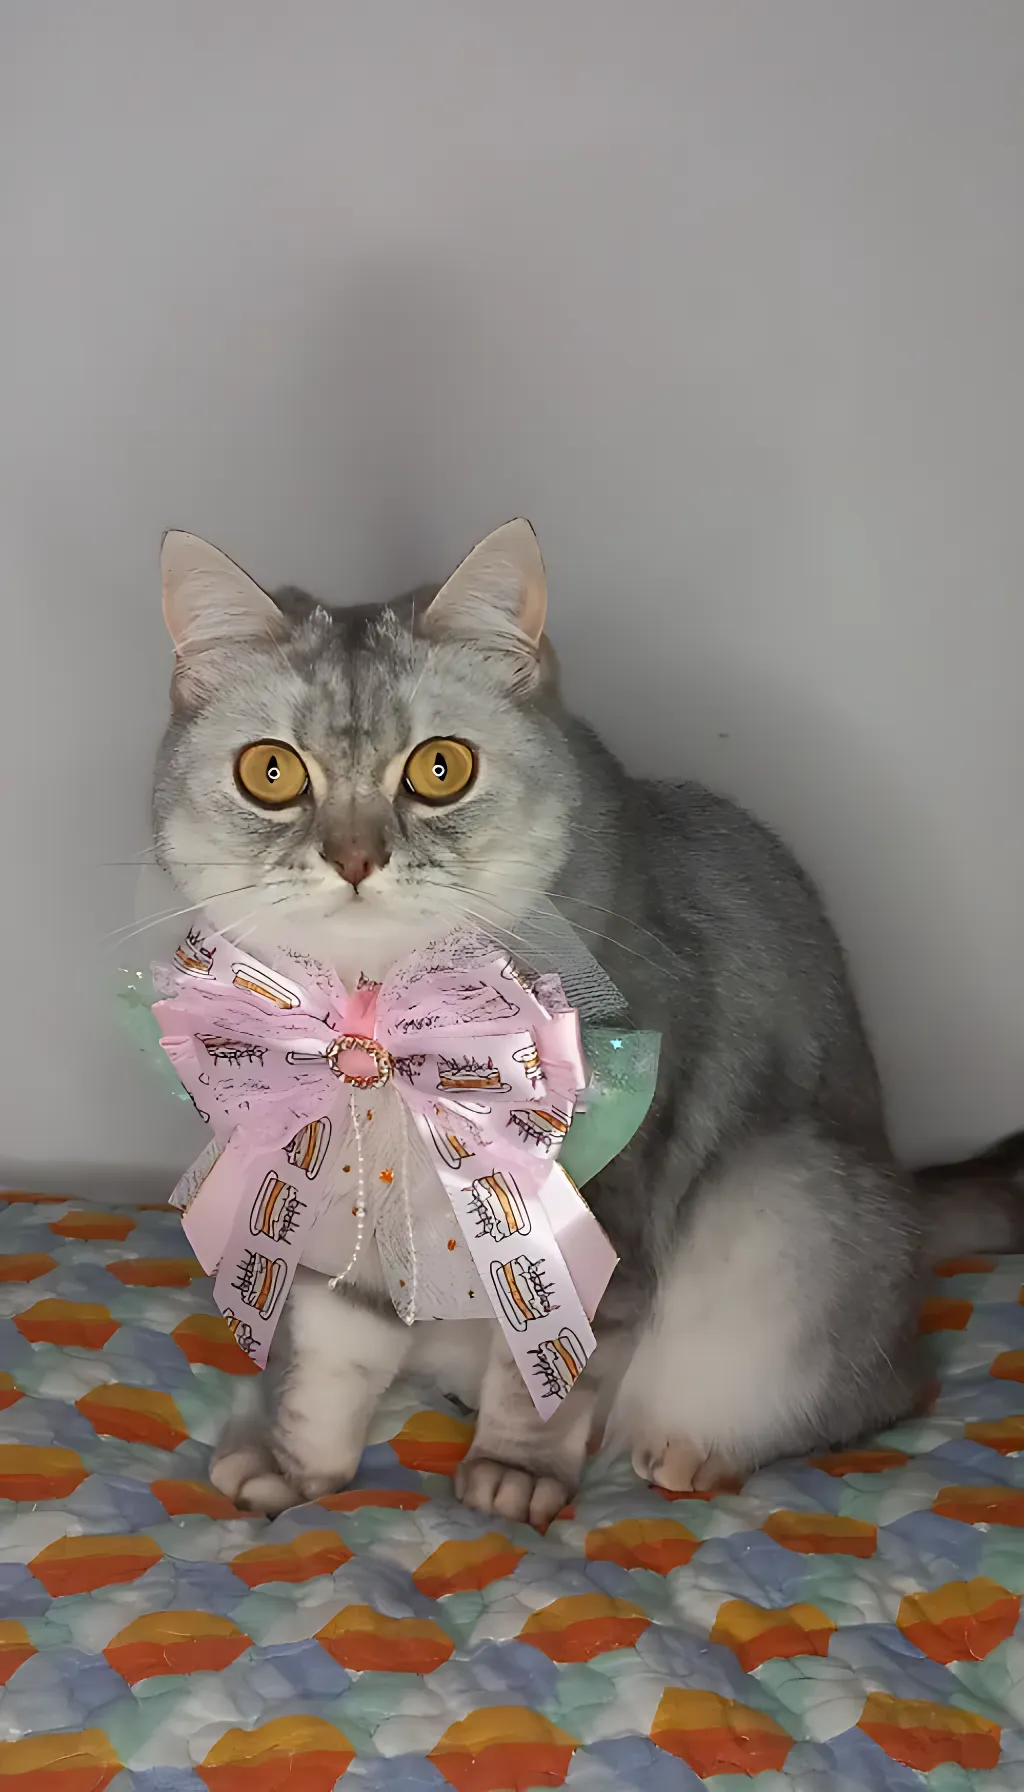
{"x":135,"y":997}
{"x":623,"y":1070}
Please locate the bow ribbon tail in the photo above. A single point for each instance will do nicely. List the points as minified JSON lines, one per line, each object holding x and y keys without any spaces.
{"x":263,"y":1213}
{"x":503,"y":1217}
{"x":582,"y":1239}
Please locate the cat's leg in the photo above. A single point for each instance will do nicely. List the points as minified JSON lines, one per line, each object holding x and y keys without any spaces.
{"x":519,"y":1465}
{"x":783,"y":1321}
{"x":336,"y":1360}
{"x":242,"y":1457}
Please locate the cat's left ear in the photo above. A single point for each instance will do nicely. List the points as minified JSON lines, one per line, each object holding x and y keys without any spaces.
{"x":497,"y":599}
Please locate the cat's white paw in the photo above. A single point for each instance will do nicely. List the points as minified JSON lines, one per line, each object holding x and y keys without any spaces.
{"x":250,"y":1479}
{"x":510,"y":1492}
{"x":678,"y":1466}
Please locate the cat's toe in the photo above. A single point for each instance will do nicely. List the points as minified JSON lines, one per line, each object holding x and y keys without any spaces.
{"x":267,"y":1494}
{"x":508,"y":1492}
{"x":673,"y":1464}
{"x":230,"y":1472}
{"x":646,"y":1457}
{"x":314,"y":1486}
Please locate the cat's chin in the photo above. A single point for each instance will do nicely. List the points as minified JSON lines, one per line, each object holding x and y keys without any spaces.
{"x":361,"y":937}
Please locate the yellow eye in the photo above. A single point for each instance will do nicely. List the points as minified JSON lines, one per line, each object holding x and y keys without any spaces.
{"x":271,"y":773}
{"x":439,"y":770}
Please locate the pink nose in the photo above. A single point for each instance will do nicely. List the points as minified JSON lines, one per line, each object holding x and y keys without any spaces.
{"x":355,"y":865}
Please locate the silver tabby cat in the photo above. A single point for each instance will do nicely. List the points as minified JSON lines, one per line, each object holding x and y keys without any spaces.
{"x":770,"y":1247}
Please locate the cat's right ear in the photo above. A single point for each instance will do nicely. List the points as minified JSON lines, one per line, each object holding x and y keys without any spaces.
{"x":208,"y":602}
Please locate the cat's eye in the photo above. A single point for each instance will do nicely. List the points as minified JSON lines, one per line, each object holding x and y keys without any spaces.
{"x":271,"y":773}
{"x":439,"y":770}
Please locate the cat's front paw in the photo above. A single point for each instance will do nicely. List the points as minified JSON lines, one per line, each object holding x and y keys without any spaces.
{"x":250,"y":1478}
{"x":677,"y":1465}
{"x":258,"y":1479}
{"x":510,"y":1492}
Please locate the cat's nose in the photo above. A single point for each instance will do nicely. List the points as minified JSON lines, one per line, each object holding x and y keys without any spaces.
{"x":355,"y":864}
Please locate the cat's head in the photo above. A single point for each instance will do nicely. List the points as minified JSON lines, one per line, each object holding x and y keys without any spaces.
{"x":354,"y":782}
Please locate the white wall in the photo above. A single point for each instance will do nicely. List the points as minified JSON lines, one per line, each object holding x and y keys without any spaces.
{"x":727,"y":297}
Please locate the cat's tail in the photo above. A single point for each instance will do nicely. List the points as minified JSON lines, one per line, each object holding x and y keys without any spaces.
{"x":975,"y":1205}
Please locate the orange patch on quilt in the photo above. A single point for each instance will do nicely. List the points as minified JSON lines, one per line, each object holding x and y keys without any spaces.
{"x":18,"y":1194}
{"x":26,"y":1266}
{"x":81,"y":1324}
{"x":205,"y":1338}
{"x":965,"y":1266}
{"x":660,"y":1544}
{"x":728,"y":1484}
{"x":81,"y":1564}
{"x":464,"y":1566}
{"x":923,"y":1736}
{"x":941,"y":1313}
{"x":716,"y":1735}
{"x":137,"y":1415}
{"x":180,"y":1497}
{"x":981,"y":1505}
{"x":16,"y":1646}
{"x":1004,"y":1435}
{"x":306,"y":1556}
{"x":10,"y":1393}
{"x":360,"y":1638}
{"x":93,"y":1223}
{"x":822,"y":1533}
{"x":584,"y":1625}
{"x":502,"y":1747}
{"x":175,"y":1643}
{"x":39,"y":1472}
{"x":289,"y":1754}
{"x":962,"y":1621}
{"x":401,"y":1499}
{"x":432,"y":1442}
{"x":1008,"y":1366}
{"x":62,"y":1761}
{"x":757,"y":1633}
{"x":156,"y":1272}
{"x":859,"y":1462}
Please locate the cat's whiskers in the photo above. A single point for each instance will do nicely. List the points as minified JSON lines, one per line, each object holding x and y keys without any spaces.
{"x":524,"y":944}
{"x":552,"y":891}
{"x":131,"y":931}
{"x":182,"y":864}
{"x":563,"y":896}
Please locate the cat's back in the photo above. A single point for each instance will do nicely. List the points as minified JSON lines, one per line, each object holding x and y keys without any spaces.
{"x":711,"y":867}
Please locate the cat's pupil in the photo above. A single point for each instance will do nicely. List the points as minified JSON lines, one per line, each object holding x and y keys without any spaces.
{"x":440,"y":768}
{"x":273,"y":769}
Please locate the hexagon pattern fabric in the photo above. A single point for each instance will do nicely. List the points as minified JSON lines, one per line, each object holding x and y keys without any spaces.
{"x":848,"y":1623}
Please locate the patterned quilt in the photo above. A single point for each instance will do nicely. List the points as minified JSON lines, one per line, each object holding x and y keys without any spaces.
{"x":852,"y":1621}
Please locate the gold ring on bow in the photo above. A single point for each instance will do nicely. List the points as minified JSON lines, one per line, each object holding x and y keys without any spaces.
{"x":354,"y":1042}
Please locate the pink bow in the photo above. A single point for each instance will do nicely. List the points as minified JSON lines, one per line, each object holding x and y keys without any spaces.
{"x":488,"y":1065}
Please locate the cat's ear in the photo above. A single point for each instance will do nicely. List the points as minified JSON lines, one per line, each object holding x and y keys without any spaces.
{"x":498,"y":599}
{"x":208,"y":602}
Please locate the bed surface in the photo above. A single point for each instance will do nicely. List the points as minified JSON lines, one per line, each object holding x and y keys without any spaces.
{"x":848,"y":1622}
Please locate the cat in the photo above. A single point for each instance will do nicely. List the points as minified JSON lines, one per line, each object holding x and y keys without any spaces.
{"x":771,"y":1248}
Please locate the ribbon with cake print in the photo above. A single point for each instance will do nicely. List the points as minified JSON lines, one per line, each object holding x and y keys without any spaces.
{"x":486,"y":1064}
